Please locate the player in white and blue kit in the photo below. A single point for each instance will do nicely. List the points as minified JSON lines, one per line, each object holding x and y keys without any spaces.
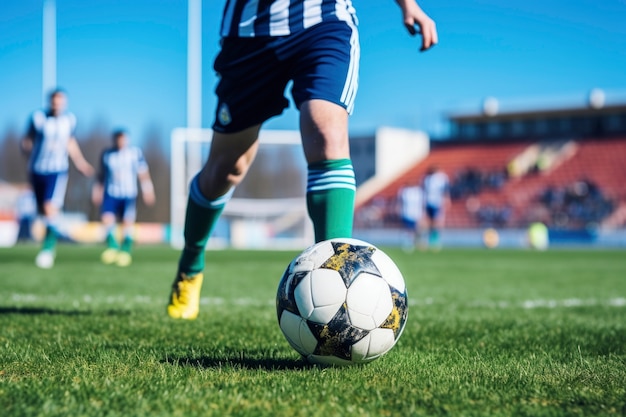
{"x":437,"y":199}
{"x":411,"y":199}
{"x":50,"y":144}
{"x":267,"y":44}
{"x":121,"y":167}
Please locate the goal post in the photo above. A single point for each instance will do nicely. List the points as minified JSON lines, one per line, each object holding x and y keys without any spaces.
{"x":268,"y":209}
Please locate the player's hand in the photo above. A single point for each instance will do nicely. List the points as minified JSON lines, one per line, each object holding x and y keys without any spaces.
{"x":418,"y":22}
{"x":96,"y":195}
{"x":87,"y":170}
{"x":26,"y":145}
{"x":149,"y":198}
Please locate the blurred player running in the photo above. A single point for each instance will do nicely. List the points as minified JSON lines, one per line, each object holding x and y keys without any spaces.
{"x":265,"y":46}
{"x":411,"y":199}
{"x":437,"y":196}
{"x":50,"y":143}
{"x":116,"y":189}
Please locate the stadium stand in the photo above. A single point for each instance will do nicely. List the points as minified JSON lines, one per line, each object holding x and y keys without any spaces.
{"x":597,"y":164}
{"x":588,"y":177}
{"x":454,"y":159}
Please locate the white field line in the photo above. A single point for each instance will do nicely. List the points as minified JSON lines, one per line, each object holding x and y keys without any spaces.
{"x":128,"y":300}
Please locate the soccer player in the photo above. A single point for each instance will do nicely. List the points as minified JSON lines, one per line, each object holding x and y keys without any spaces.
{"x":265,"y":45}
{"x":437,"y":198}
{"x":50,"y":143}
{"x":116,"y":189}
{"x":411,"y":198}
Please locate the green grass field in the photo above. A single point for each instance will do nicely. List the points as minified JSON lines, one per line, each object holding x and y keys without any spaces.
{"x":489,"y":333}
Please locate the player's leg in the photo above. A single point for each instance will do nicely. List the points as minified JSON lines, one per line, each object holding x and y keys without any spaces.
{"x":49,"y":193}
{"x":229,"y":160}
{"x":417,"y":236}
{"x":109,"y":255}
{"x":330,"y":179}
{"x":109,"y":225}
{"x":434,"y":220}
{"x":128,"y":214}
{"x":108,"y":219}
{"x":50,"y":215}
{"x":325,"y":85}
{"x":438,"y":221}
{"x":429,"y":223}
{"x":250,"y":91}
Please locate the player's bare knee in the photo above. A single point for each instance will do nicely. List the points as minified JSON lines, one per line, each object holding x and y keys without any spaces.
{"x":238,"y":172}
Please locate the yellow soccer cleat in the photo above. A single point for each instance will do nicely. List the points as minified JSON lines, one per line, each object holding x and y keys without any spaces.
{"x":123,"y":259}
{"x":185,"y":297}
{"x":109,"y":256}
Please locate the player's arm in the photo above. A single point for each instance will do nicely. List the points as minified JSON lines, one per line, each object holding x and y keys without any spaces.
{"x":26,"y":144}
{"x":147,"y":188}
{"x":145,"y":180}
{"x":416,"y":21}
{"x":97,"y":190}
{"x":78,"y":159}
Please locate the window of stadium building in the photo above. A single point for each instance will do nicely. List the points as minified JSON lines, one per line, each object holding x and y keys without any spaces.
{"x":554,"y":126}
{"x":469,"y":130}
{"x":541,"y":127}
{"x":582,"y":126}
{"x":494,"y":129}
{"x":518,"y":128}
{"x":565,"y":124}
{"x":615,"y":122}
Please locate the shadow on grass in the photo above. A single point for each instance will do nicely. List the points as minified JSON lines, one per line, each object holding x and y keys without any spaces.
{"x":240,"y":362}
{"x":58,"y":312}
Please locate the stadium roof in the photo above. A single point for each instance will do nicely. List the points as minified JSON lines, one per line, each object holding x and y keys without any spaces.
{"x":538,"y":113}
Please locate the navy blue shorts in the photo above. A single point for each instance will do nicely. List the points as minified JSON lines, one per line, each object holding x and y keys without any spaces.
{"x":433,"y":212}
{"x":322,"y":62}
{"x":49,"y":188}
{"x":410,"y":224}
{"x":121,"y":208}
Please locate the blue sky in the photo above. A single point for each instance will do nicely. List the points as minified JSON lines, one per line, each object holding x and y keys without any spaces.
{"x":123,"y":62}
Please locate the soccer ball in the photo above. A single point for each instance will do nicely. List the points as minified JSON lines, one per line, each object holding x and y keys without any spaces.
{"x":342,"y":302}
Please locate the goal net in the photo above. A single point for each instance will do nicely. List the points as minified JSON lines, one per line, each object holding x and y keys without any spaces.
{"x":268,"y":209}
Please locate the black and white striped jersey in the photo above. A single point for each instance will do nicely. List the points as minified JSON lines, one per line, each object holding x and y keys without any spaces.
{"x":250,"y":18}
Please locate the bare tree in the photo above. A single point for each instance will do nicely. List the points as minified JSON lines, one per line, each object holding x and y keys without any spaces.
{"x":159,"y":165}
{"x":12,"y":160}
{"x":78,"y":196}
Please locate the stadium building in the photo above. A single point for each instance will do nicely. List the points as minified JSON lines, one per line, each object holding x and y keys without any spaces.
{"x":561,"y":166}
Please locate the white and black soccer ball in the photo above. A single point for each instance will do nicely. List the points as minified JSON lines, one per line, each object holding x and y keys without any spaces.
{"x":341,"y":302}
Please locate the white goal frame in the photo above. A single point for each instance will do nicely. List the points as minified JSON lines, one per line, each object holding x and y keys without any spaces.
{"x":252,"y":222}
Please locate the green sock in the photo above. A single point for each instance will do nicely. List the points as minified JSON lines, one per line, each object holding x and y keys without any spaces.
{"x":127,"y":244}
{"x":50,"y":240}
{"x":200,"y":219}
{"x":111,"y":241}
{"x":434,"y":237}
{"x":330,"y":198}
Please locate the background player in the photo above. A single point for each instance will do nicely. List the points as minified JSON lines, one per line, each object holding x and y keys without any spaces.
{"x":50,"y":143}
{"x":411,"y":199}
{"x":437,"y":198}
{"x":116,"y":189}
{"x":265,"y":45}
